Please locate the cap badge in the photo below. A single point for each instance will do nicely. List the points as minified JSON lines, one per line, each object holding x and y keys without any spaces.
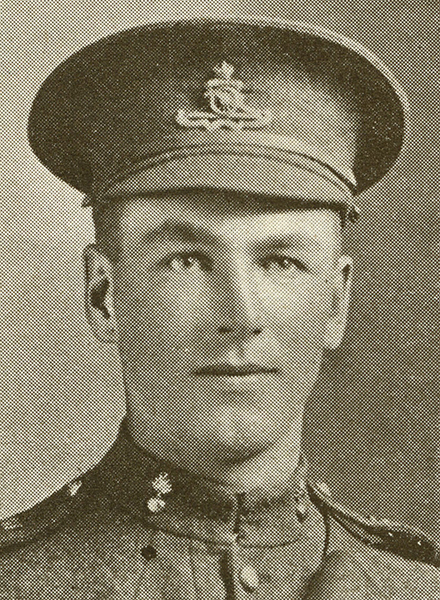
{"x":161,"y":485}
{"x":227,"y":104}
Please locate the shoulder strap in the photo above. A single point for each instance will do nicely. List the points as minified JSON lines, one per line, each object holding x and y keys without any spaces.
{"x":42,"y":518}
{"x":407,"y":542}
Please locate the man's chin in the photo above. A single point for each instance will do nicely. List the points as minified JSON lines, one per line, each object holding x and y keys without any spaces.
{"x":238,"y":433}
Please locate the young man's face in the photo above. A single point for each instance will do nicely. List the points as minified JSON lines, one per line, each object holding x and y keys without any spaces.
{"x":223,"y":307}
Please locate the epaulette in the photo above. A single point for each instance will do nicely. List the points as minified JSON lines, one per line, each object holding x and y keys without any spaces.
{"x":407,"y":542}
{"x":43,"y":518}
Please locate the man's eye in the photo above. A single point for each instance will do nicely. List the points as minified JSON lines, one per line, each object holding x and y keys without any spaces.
{"x":283,"y":263}
{"x":185,"y":262}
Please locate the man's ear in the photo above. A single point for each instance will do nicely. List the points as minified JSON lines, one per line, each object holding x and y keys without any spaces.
{"x":98,"y":275}
{"x":341,"y":301}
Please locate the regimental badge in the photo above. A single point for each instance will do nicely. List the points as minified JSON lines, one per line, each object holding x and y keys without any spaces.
{"x":227,"y":103}
{"x":11,"y":523}
{"x":161,"y":485}
{"x":73,"y":487}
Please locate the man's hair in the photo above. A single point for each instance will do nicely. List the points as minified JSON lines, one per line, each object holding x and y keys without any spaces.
{"x":106,"y":220}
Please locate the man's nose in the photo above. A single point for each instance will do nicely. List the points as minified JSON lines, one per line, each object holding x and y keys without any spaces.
{"x":238,"y":306}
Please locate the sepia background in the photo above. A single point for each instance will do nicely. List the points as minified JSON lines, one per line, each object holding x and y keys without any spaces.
{"x":372,"y":426}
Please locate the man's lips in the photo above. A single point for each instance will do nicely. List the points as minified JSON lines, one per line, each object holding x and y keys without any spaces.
{"x":228,"y":370}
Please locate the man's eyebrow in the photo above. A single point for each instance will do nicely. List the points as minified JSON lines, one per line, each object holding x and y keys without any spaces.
{"x":289,"y":240}
{"x":177,"y":231}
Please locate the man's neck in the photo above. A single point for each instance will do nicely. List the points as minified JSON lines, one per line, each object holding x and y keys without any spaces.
{"x":268,"y":471}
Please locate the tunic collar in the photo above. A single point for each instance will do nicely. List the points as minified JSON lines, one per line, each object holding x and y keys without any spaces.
{"x":192,"y":506}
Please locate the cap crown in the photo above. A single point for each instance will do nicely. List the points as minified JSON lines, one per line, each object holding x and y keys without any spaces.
{"x":276,"y":88}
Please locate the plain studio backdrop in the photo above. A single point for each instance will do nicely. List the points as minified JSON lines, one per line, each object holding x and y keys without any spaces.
{"x":372,"y":425}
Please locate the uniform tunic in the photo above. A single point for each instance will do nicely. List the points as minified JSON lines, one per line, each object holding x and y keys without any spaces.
{"x":134,"y":528}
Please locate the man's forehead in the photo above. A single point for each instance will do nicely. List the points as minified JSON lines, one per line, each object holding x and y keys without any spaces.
{"x":207,"y":216}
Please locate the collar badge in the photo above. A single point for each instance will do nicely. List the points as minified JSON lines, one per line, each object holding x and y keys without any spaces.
{"x":11,"y":523}
{"x":73,"y":487}
{"x":161,"y":485}
{"x":227,"y":104}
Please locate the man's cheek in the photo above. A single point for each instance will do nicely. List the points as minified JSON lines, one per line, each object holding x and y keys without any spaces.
{"x":302,"y":318}
{"x":156,"y":331}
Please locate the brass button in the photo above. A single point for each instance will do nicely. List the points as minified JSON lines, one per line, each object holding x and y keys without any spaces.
{"x":249,"y":578}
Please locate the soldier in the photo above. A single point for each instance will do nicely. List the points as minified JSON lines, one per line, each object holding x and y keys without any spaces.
{"x":221,"y":158}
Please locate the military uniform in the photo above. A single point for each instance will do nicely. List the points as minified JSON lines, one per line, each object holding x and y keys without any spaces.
{"x":252,"y":106}
{"x":136,"y":528}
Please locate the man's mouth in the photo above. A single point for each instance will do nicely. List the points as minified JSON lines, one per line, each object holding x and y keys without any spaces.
{"x":228,"y":370}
